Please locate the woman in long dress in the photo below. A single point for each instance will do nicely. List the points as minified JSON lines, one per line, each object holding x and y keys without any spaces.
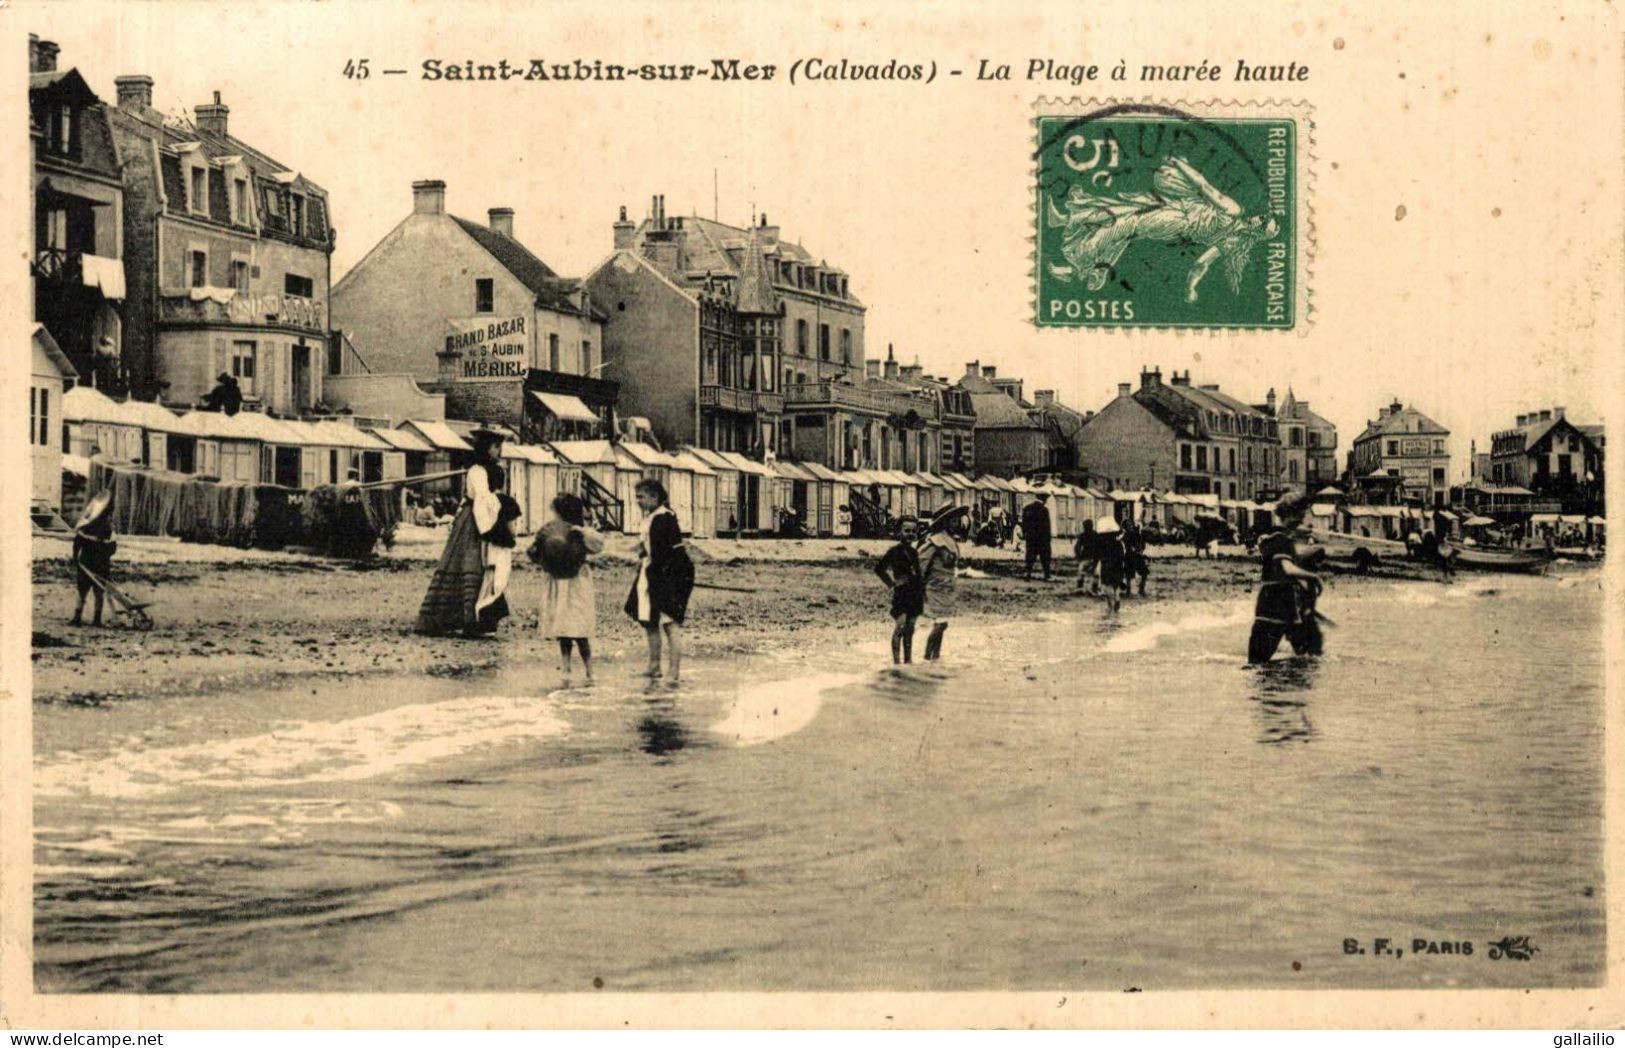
{"x":468,"y":591}
{"x":569,"y":611}
{"x":659,"y":596}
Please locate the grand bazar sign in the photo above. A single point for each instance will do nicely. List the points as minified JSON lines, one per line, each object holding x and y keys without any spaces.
{"x":491,"y":349}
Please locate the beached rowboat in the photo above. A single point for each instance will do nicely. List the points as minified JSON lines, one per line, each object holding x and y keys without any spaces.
{"x":1485,"y":558}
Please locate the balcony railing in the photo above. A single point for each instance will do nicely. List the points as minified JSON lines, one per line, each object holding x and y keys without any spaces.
{"x":726,"y":398}
{"x":840,"y":394}
{"x":55,"y":263}
{"x":243,"y":308}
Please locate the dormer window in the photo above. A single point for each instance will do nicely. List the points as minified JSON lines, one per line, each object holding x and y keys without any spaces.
{"x":62,"y":131}
{"x":197,"y":190}
{"x":239,"y":201}
{"x":296,"y":214}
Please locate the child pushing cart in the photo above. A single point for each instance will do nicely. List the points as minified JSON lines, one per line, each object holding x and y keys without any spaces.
{"x":93,"y":548}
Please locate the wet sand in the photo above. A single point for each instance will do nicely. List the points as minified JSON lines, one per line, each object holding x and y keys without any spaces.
{"x":231,"y":619}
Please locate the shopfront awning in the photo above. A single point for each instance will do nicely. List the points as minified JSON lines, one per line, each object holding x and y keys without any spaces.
{"x":564,"y":407}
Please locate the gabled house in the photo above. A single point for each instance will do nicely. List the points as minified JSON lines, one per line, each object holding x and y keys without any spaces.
{"x":1010,"y":438}
{"x":77,"y":264}
{"x":465,"y":309}
{"x":1401,"y":455}
{"x":228,"y":257}
{"x":1552,"y":457}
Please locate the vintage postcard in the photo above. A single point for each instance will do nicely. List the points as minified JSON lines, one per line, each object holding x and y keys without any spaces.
{"x":708,"y":514}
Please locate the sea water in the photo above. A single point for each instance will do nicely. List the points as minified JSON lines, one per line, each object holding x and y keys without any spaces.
{"x":1062,"y":802}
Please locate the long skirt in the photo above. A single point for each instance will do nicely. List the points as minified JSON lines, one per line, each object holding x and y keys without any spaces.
{"x":467,"y":593}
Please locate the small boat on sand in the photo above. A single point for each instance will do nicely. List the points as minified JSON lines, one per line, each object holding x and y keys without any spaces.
{"x":1492,"y":558}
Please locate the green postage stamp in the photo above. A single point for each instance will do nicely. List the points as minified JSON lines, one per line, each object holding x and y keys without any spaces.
{"x":1172,"y":215}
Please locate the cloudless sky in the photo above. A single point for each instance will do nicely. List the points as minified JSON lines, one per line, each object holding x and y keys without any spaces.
{"x":1487,"y":298}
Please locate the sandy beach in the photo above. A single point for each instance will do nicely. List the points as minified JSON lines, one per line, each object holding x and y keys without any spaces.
{"x":227,"y":619}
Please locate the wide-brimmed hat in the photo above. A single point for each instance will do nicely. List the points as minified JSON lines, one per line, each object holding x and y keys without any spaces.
{"x":1106,"y":526}
{"x":96,"y":508}
{"x":944,"y":518}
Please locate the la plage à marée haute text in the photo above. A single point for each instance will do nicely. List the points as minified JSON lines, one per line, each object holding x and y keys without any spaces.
{"x":732,"y":70}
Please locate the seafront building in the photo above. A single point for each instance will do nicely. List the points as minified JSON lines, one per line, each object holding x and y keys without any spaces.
{"x":228,"y":258}
{"x":1184,"y":438}
{"x":77,"y":268}
{"x":737,"y":339}
{"x":1553,"y":458}
{"x":1401,"y":456}
{"x":1308,"y":446}
{"x":447,"y":305}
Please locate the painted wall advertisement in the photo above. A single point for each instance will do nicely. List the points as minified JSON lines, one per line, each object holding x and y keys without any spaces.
{"x":492,"y":349}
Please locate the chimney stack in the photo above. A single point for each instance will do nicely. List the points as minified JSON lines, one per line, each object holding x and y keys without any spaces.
{"x":450,"y":361}
{"x":990,"y":372}
{"x":501,"y":220}
{"x":211,"y":118}
{"x":625,"y":232}
{"x":872,"y":368}
{"x":891,"y":362}
{"x":1558,"y":411}
{"x":1150,"y":377}
{"x":41,"y":55}
{"x":1269,"y":400}
{"x":429,"y":197}
{"x":1124,"y":388}
{"x":1382,"y":413}
{"x":1523,"y":420}
{"x":1546,"y":415}
{"x":769,"y":234}
{"x":972,"y":367}
{"x":1044,"y":397}
{"x":134,"y":92}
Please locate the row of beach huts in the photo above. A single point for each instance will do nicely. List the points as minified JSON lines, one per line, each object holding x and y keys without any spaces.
{"x":713,"y":492}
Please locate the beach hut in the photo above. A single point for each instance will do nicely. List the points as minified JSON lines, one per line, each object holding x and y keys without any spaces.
{"x":902,"y":497}
{"x":348,"y":448}
{"x":97,"y":423}
{"x":803,"y":497}
{"x":655,"y":464}
{"x":608,"y":482}
{"x":757,"y":512}
{"x":701,"y":480}
{"x":727,"y":489}
{"x":959,"y":490}
{"x":533,"y":482}
{"x":996,"y":491}
{"x":834,"y":493}
{"x":408,"y":453}
{"x":449,"y":452}
{"x":934,"y":495}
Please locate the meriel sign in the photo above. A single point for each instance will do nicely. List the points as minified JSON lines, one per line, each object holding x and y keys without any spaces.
{"x":491,"y":349}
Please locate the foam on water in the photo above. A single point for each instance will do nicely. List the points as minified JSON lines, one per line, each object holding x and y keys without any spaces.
{"x":309,"y":752}
{"x":1144,"y":638}
{"x":765,"y":712}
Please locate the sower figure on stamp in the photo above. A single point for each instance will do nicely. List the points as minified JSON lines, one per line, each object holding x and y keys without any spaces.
{"x":1286,"y":599}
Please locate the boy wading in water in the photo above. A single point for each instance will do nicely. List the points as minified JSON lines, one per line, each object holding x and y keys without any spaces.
{"x":900,"y":570}
{"x":1286,"y":599}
